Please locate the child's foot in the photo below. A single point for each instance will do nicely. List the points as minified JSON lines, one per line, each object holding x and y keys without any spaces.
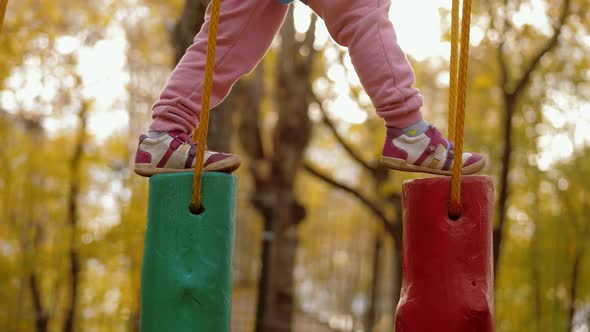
{"x":428,"y":152}
{"x":174,"y":152}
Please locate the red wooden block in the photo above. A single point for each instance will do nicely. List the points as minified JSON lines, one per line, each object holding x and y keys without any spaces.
{"x":448,"y":280}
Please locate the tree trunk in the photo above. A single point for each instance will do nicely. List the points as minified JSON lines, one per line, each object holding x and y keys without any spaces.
{"x":248,"y":95}
{"x":72,"y":219}
{"x":397,"y":254}
{"x":189,"y":23}
{"x":280,"y":299}
{"x":290,"y":139}
{"x":264,"y":264}
{"x":504,"y":176}
{"x":37,"y":222}
{"x":134,"y":320}
{"x":397,"y":265}
{"x":573,"y":291}
{"x":41,"y":318}
{"x":375,"y":281}
{"x":274,"y":173}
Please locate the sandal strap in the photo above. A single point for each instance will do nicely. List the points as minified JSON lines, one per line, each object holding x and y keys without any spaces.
{"x":192,"y":152}
{"x":436,"y":139}
{"x":450,"y":156}
{"x":174,"y":145}
{"x":440,"y":156}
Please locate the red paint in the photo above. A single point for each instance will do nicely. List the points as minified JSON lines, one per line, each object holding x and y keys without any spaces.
{"x":447,"y":265}
{"x":142,"y":157}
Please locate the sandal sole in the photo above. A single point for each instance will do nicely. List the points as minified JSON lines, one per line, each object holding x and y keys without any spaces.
{"x":227,"y":165}
{"x":402,"y":165}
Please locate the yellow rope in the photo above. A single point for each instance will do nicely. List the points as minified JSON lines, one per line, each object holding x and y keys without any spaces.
{"x":200,"y":133}
{"x":3,"y":5}
{"x":453,"y":71}
{"x":455,"y":208}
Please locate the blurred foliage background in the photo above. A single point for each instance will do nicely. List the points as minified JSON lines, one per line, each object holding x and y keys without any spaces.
{"x":77,"y":80}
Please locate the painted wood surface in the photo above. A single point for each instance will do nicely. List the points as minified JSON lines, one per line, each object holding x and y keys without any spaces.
{"x":186,"y":282}
{"x":447,"y":265}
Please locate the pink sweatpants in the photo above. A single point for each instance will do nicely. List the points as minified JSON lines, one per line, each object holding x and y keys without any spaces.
{"x":246,"y":30}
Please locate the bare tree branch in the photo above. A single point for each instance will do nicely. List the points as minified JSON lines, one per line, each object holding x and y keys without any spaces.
{"x":389,"y":227}
{"x":309,"y":40}
{"x":328,"y":122}
{"x":72,"y":218}
{"x":355,"y":93}
{"x":505,"y":21}
{"x":504,"y":75}
{"x":552,"y":43}
{"x":41,"y":317}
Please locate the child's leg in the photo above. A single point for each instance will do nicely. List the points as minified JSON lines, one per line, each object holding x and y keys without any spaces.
{"x":411,"y":145}
{"x":385,"y":73}
{"x":246,"y":30}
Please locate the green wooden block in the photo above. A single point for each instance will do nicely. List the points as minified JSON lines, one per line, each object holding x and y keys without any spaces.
{"x":186,"y":282}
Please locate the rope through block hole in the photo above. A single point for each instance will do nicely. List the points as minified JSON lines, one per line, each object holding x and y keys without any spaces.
{"x":457,"y":97}
{"x":200,"y":133}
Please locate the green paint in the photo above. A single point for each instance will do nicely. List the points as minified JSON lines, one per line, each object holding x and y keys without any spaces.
{"x":186,"y":282}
